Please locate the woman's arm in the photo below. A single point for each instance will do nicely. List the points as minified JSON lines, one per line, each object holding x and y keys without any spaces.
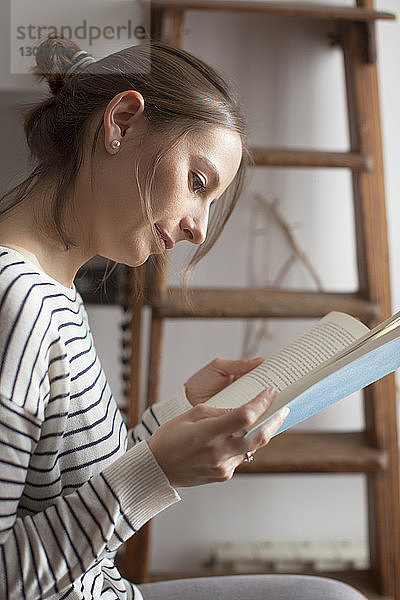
{"x":43,"y":553}
{"x":46,"y":548}
{"x":199,"y":388}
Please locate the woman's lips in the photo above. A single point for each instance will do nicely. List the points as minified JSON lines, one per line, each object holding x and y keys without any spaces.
{"x":164,"y":238}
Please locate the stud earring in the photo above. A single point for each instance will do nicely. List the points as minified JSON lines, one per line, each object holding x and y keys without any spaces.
{"x":115,"y":144}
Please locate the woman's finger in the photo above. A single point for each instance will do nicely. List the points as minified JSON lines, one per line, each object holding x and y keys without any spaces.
{"x":236,"y":368}
{"x":240,"y":446}
{"x":264,"y":433}
{"x":268,"y":430}
{"x":239,"y":420}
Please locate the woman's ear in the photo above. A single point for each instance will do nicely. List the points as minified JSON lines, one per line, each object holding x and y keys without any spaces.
{"x":120,"y":118}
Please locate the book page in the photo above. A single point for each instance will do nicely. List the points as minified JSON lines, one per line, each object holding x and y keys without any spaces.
{"x":292,"y":362}
{"x":383,"y":328}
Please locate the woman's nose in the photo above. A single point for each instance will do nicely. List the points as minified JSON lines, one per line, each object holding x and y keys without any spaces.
{"x":195,"y":229}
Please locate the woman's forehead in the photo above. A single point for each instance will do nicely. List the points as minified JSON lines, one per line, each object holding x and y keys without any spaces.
{"x":218,"y":148}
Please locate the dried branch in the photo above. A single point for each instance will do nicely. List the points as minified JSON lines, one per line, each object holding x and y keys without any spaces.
{"x":298,"y":252}
{"x":252,"y":339}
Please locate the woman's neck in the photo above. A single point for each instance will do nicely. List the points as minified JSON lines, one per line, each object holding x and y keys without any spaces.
{"x":27,"y":228}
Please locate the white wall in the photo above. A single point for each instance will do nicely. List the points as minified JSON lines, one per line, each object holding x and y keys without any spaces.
{"x":291,"y":85}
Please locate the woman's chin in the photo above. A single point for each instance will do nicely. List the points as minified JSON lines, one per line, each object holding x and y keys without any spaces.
{"x":141,"y":262}
{"x":134,"y":263}
{"x":138,"y":257}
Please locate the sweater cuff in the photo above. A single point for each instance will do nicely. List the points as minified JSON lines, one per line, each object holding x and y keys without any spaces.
{"x":140,"y":485}
{"x":173,"y":406}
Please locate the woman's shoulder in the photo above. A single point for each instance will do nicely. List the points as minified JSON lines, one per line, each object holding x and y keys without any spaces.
{"x":33,"y":306}
{"x":31,"y":312}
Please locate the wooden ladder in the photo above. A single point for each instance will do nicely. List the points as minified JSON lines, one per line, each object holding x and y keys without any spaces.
{"x":373,"y":452}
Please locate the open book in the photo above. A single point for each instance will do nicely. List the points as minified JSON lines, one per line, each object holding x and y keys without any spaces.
{"x":335,"y":357}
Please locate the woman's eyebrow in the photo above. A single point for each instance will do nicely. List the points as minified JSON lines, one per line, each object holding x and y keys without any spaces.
{"x":212,"y":168}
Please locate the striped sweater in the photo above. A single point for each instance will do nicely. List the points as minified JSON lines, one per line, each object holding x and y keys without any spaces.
{"x":74,"y":484}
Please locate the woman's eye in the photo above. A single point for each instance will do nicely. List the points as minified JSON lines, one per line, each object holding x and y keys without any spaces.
{"x":198,"y":184}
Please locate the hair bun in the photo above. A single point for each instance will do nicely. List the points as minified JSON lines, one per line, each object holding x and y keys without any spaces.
{"x":55,"y":57}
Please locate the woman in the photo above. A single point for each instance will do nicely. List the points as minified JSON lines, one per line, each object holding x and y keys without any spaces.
{"x":128,"y":160}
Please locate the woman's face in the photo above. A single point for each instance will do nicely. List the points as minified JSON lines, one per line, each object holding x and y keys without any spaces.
{"x":188,"y":179}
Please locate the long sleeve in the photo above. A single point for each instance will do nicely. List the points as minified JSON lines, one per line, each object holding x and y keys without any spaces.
{"x":158,"y":414}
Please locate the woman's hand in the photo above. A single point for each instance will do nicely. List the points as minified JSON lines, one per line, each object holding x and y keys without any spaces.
{"x":206,"y":444}
{"x":215,"y":376}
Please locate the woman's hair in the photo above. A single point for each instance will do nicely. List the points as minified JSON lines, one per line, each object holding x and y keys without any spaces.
{"x":181,"y":94}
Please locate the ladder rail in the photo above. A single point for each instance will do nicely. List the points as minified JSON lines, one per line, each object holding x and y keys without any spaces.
{"x":374,"y":281}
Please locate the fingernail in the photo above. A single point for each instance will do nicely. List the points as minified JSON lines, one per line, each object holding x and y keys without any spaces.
{"x":271,"y":392}
{"x":284,"y":412}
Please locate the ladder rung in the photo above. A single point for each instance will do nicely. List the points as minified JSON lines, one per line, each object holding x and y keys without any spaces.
{"x":261,"y":303}
{"x":280,"y":157}
{"x":289,"y":9}
{"x":317,"y":453}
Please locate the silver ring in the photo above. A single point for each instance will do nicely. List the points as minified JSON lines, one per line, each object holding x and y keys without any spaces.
{"x":249,"y":457}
